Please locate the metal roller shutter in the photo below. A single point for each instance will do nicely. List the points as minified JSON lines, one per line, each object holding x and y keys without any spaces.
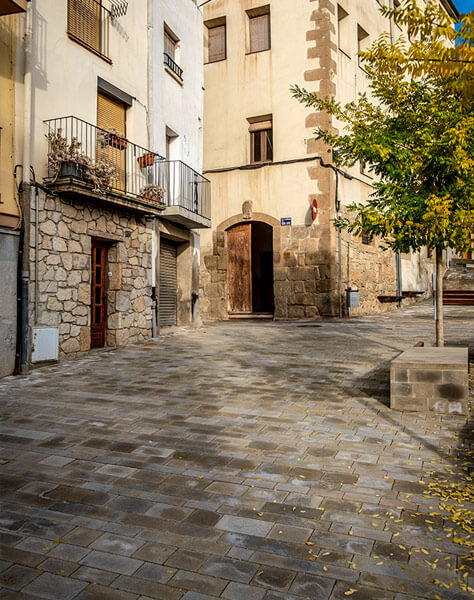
{"x":168,"y":283}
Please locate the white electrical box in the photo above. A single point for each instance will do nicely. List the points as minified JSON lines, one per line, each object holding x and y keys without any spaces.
{"x":45,"y":344}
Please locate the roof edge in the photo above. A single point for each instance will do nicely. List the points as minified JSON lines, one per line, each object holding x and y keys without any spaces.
{"x":451,"y":9}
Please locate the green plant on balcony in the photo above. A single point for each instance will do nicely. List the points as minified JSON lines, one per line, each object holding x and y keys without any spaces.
{"x":152,"y":193}
{"x":65,"y":159}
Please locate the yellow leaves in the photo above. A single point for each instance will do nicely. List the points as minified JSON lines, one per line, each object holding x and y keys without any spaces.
{"x":349,"y":592}
{"x":325,"y":568}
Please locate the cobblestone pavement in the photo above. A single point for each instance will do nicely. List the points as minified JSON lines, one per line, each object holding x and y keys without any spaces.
{"x":242,"y":460}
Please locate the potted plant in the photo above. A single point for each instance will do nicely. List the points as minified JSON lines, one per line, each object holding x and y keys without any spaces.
{"x":113,"y":138}
{"x":152,"y":193}
{"x":146,"y":159}
{"x":65,"y":159}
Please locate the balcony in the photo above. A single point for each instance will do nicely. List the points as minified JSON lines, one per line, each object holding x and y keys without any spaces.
{"x":10,"y":7}
{"x":173,"y":67}
{"x":105,"y":167}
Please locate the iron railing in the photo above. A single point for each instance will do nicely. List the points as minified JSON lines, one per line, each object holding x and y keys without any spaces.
{"x":109,"y":161}
{"x":88,"y":22}
{"x":169,"y":62}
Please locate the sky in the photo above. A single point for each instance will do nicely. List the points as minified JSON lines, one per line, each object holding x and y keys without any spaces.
{"x":464,"y":5}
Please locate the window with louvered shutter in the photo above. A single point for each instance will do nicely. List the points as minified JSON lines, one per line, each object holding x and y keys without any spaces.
{"x":110,"y":147}
{"x":259,"y":32}
{"x":217,"y":43}
{"x":170,"y":46}
{"x":84,"y":20}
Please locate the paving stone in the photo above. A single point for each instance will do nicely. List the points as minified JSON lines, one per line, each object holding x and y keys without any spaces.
{"x":277,"y":579}
{"x":68,"y":552}
{"x":117,"y":544}
{"x":54,"y":587}
{"x":289,"y":533}
{"x":111,"y":562}
{"x":312,"y":586}
{"x":16,"y":577}
{"x":156,"y":553}
{"x":99,"y":592}
{"x":239,"y":591}
{"x":198,"y":583}
{"x":243,"y":525}
{"x":184,"y":559}
{"x":228,"y":568}
{"x":92,"y":575}
{"x":58,"y":566}
{"x":361,"y":593}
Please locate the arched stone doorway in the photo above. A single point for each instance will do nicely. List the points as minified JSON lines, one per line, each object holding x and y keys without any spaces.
{"x":250,"y":268}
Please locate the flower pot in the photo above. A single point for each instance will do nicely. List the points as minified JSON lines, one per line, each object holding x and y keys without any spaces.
{"x":146,"y":160}
{"x":71,"y":169}
{"x":116,"y":141}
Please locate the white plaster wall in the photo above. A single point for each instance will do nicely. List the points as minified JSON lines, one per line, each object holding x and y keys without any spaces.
{"x":179,"y":106}
{"x":64,"y":76}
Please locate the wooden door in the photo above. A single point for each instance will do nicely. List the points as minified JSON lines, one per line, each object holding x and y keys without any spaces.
{"x":112,"y":148}
{"x":239,"y":268}
{"x":98,"y":295}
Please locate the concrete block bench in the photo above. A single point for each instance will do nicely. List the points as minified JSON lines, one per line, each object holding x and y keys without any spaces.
{"x":430,"y":379}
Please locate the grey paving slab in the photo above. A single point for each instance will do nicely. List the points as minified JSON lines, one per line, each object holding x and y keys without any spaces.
{"x":273,"y":470}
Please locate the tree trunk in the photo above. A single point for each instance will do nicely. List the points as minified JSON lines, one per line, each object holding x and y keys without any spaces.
{"x":439,"y":298}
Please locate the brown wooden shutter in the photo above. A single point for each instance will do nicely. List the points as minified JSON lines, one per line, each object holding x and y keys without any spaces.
{"x":259,"y":33}
{"x":216,"y":37}
{"x":83,"y":19}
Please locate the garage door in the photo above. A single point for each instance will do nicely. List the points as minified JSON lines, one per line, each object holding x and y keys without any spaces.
{"x":168,"y":283}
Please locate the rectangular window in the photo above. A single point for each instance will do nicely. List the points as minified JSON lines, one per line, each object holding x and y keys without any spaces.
{"x":261,"y":141}
{"x":343,"y":31}
{"x":363,"y":42}
{"x":259,"y":29}
{"x":171,"y":53}
{"x":88,"y":24}
{"x":366,"y":239}
{"x":216,"y":43}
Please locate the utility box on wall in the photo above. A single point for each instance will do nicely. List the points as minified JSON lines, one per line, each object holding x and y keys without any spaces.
{"x":352,"y":298}
{"x":45,"y":344}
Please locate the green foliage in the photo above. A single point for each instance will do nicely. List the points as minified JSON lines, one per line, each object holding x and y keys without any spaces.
{"x":415,"y":132}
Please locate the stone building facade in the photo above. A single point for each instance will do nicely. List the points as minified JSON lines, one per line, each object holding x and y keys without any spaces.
{"x":67,"y":230}
{"x":273,"y":209}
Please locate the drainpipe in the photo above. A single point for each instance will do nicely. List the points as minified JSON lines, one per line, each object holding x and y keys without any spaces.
{"x":25,"y":188}
{"x":339,"y":238}
{"x":154,"y":327}
{"x":150,"y":111}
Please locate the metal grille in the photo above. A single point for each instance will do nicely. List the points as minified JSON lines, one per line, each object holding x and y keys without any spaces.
{"x":168,"y":283}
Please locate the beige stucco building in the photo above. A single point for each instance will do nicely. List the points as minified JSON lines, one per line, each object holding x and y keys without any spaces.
{"x":273,"y":248}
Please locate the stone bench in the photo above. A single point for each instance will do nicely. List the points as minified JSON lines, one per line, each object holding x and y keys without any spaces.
{"x":430,"y":379}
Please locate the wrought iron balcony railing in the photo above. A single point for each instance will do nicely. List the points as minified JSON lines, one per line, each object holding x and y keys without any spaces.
{"x":88,"y":22}
{"x":107,"y":161}
{"x":169,"y":62}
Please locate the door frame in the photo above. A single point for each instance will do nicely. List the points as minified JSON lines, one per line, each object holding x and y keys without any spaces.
{"x":98,"y":337}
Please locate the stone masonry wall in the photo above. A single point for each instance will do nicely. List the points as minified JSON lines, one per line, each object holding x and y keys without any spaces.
{"x":66,"y":229}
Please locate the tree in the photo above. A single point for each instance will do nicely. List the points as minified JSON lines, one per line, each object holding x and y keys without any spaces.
{"x":416,"y":133}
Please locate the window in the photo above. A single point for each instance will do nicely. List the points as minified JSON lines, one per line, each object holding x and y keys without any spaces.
{"x":261,"y":140}
{"x":88,"y":24}
{"x":216,"y":40}
{"x":343,"y":31}
{"x":366,"y":239}
{"x":363,"y":43}
{"x":171,"y":53}
{"x":259,"y":29}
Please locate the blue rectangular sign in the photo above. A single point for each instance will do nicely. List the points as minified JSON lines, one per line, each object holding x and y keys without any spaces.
{"x":285,"y":221}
